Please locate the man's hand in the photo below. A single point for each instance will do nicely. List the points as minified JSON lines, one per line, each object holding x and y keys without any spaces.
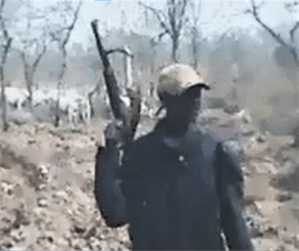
{"x":108,"y":194}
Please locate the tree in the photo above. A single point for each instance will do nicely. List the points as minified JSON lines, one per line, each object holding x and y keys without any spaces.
{"x":61,"y":35}
{"x":33,"y":41}
{"x":287,"y":48}
{"x":153,"y":45}
{"x":5,"y":47}
{"x":286,"y":54}
{"x":195,"y":7}
{"x":94,"y":64}
{"x":171,"y":22}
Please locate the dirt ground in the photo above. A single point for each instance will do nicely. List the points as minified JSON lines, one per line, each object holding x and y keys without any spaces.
{"x":47,"y":202}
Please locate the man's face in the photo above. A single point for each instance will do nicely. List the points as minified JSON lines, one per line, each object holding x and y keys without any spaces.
{"x":187,"y":104}
{"x":181,"y":107}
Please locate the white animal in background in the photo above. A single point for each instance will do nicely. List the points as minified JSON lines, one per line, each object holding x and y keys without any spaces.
{"x":15,"y":97}
{"x":73,"y":116}
{"x":45,"y":97}
{"x":52,"y":93}
{"x":84,"y":109}
{"x":78,"y":110}
{"x":71,"y":104}
{"x":40,"y":97}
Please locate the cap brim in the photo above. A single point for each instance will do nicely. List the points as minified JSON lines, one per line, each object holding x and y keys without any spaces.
{"x":201,"y":85}
{"x":196,"y":89}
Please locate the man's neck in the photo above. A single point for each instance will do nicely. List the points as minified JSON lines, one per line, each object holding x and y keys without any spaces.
{"x":174,"y":127}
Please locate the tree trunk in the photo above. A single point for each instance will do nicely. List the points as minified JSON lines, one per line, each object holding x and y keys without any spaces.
{"x":296,"y":131}
{"x":91,"y":104}
{"x":153,"y":60}
{"x":194,"y":49}
{"x":175,"y":40}
{"x":3,"y":102}
{"x":151,"y":90}
{"x":296,"y":91}
{"x":4,"y":55}
{"x":59,"y":85}
{"x":57,"y":112}
{"x":296,"y":134}
{"x":29,"y":88}
{"x":90,"y":94}
{"x":135,"y":108}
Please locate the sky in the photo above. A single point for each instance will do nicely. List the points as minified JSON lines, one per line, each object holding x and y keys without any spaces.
{"x":216,"y":15}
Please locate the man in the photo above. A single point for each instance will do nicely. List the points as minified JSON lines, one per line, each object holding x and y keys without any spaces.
{"x":178,"y":187}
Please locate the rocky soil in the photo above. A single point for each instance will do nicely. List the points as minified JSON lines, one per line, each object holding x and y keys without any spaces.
{"x":46,"y":190}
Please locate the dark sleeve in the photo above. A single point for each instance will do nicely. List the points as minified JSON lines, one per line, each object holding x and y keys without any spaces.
{"x":109,"y":197}
{"x":230,"y":191}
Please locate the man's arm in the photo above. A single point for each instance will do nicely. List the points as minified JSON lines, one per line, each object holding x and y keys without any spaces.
{"x":109,"y":197}
{"x":230,"y":191}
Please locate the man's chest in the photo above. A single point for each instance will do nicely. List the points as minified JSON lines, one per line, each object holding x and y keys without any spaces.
{"x":174,"y":170}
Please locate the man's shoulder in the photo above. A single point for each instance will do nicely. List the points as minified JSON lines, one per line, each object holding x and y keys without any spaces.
{"x":215,"y":134}
{"x":212,"y":135}
{"x":221,"y":134}
{"x":149,"y":140}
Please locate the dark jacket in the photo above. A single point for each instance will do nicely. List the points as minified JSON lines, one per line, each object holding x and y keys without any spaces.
{"x":181,"y":192}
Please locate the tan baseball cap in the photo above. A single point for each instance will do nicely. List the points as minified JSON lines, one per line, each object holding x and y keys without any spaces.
{"x":176,"y":78}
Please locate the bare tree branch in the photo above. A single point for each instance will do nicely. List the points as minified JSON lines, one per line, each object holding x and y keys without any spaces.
{"x":194,"y":30}
{"x":7,"y":47}
{"x":292,"y":32}
{"x":171,"y":17}
{"x":55,"y":34}
{"x":29,"y":43}
{"x":158,"y":15}
{"x":176,"y":11}
{"x":276,"y":36}
{"x":283,"y":50}
{"x":39,"y":57}
{"x":161,"y":35}
{"x":63,"y":41}
{"x":119,"y":50}
{"x":153,"y":41}
{"x":290,"y":6}
{"x":62,"y":36}
{"x":182,"y":14}
{"x":71,"y":27}
{"x":195,"y":10}
{"x":2,"y":5}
